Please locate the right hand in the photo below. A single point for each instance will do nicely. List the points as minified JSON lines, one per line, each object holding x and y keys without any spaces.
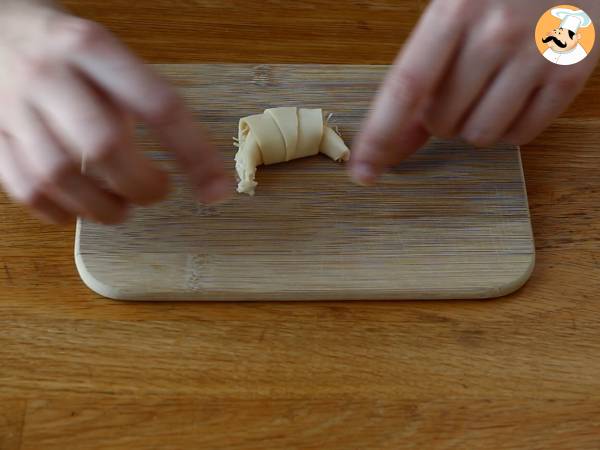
{"x":70,"y":91}
{"x":471,"y":70}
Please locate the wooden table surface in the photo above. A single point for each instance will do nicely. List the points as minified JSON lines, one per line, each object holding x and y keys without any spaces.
{"x":81,"y":372}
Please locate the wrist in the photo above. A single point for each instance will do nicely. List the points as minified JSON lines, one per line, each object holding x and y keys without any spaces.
{"x":28,"y":5}
{"x":23,"y":17}
{"x":14,"y":10}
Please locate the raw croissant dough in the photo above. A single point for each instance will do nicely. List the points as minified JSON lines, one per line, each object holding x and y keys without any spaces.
{"x":283,"y":134}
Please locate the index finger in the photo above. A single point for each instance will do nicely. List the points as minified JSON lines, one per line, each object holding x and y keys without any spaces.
{"x":412,"y":79}
{"x":136,"y":88}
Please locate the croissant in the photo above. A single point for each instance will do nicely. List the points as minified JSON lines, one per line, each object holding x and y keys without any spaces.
{"x":283,"y":134}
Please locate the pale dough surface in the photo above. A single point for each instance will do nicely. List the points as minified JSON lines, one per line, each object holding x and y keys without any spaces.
{"x":280,"y":135}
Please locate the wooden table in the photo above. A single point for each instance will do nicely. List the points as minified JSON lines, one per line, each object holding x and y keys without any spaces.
{"x":81,"y":372}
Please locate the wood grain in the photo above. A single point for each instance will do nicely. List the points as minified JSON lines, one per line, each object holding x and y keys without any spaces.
{"x":12,"y":416}
{"x":453,"y":222}
{"x":304,"y":31}
{"x":86,"y":369}
{"x":312,"y":424}
{"x":331,"y":355}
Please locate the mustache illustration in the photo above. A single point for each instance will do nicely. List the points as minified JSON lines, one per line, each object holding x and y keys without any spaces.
{"x":556,"y":41}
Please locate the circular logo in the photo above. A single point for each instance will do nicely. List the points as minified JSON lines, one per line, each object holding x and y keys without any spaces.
{"x":565,"y":35}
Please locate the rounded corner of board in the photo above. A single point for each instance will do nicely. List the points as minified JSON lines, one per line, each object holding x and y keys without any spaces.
{"x":92,"y":282}
{"x":514,"y":285}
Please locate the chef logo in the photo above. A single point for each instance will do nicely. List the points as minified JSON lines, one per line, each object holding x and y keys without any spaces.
{"x":565,"y":35}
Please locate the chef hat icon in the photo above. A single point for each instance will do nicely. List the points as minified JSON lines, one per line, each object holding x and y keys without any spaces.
{"x":572,"y":19}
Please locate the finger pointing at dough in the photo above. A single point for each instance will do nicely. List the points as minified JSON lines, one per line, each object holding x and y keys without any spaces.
{"x":413,"y":78}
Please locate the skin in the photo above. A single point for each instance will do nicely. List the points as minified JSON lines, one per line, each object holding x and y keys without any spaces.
{"x":62,"y":103}
{"x":486,"y":84}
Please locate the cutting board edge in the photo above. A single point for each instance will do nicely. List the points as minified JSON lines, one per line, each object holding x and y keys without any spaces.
{"x":503,"y":285}
{"x":113,"y":293}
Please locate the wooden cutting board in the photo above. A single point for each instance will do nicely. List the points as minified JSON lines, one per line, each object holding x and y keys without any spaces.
{"x":452,"y":222}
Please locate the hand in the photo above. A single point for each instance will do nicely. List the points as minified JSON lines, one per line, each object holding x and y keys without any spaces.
{"x":471,"y":69}
{"x":71,"y":91}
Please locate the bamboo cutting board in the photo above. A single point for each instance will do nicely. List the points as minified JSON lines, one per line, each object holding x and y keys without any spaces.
{"x":452,"y":222}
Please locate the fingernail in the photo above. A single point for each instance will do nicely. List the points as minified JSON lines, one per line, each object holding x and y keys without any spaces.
{"x":363,"y":174}
{"x":216,"y":191}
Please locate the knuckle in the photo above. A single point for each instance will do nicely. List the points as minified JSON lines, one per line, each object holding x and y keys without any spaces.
{"x":502,"y":29}
{"x":166,"y":109}
{"x":373,"y":147}
{"x":33,"y":194}
{"x":567,"y":81}
{"x":103,"y":147}
{"x":404,"y":88}
{"x":478,"y":138}
{"x":103,"y":142}
{"x":34,"y":66}
{"x":54,"y":173}
{"x":79,"y":34}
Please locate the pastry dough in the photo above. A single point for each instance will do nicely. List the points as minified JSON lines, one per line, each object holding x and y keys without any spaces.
{"x":283,"y":134}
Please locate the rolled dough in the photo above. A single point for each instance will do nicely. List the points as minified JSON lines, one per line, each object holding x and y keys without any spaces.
{"x":283,"y":134}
